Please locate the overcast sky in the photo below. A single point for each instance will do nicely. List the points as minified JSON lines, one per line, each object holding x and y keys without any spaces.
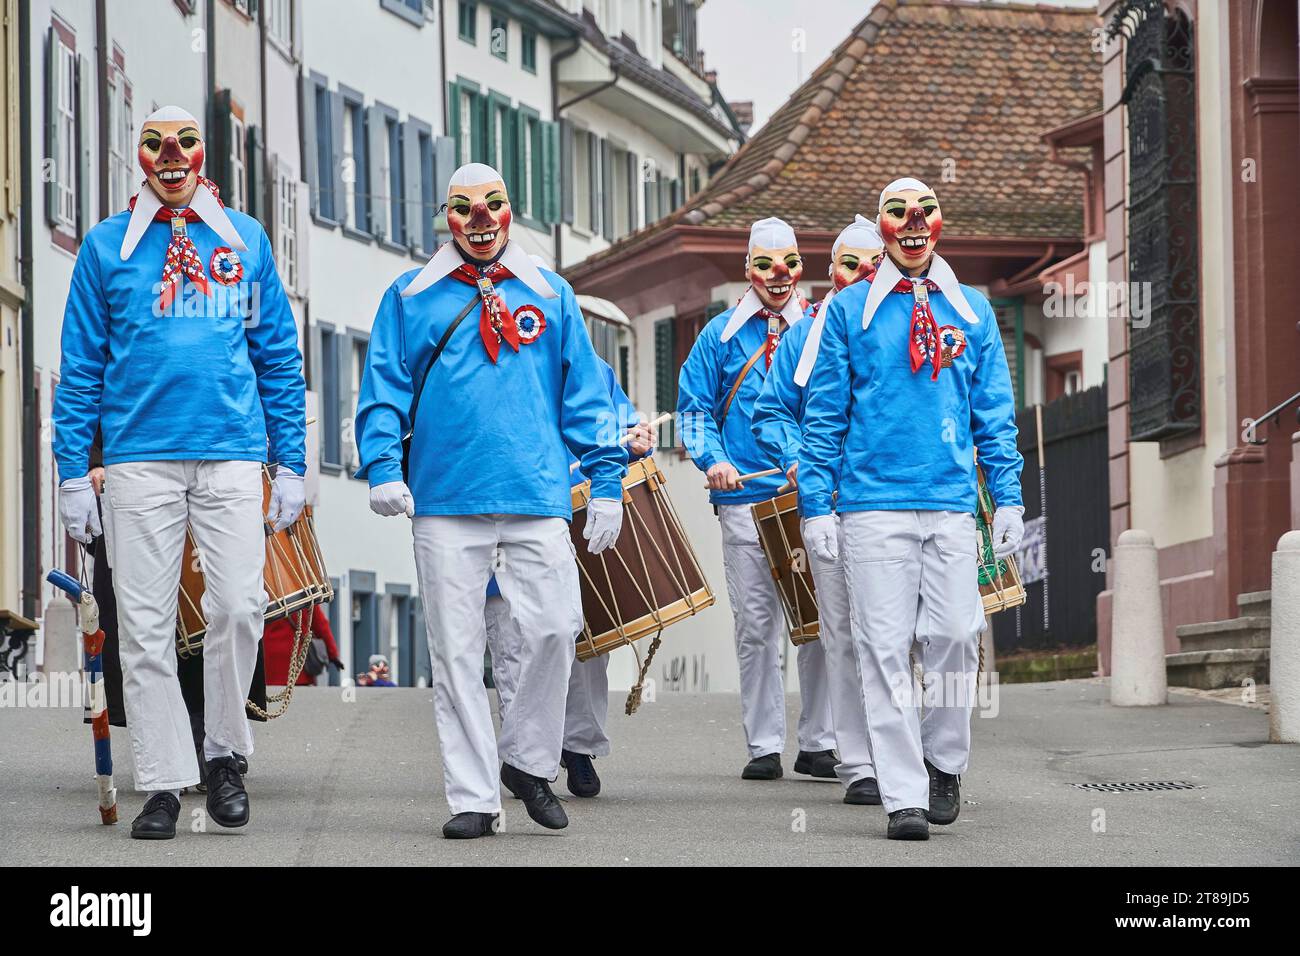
{"x":753,"y":43}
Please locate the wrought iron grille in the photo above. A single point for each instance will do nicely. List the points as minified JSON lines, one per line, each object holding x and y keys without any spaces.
{"x":1163,"y":240}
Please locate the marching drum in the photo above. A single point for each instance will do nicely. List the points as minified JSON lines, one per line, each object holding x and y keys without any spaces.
{"x":999,"y":578}
{"x":294,"y":576}
{"x":648,"y":580}
{"x":778,"y":534}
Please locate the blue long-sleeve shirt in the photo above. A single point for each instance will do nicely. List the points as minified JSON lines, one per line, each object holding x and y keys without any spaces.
{"x":779,"y":408}
{"x":706,"y":379}
{"x":896,"y":439}
{"x":211,"y":378}
{"x":489,"y":438}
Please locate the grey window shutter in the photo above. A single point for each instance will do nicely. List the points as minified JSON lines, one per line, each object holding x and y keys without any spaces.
{"x":337,"y":193}
{"x":593,"y":197}
{"x":566,"y":171}
{"x":444,"y":164}
{"x":606,"y":190}
{"x":665,"y":375}
{"x":377,"y":171}
{"x":52,"y":142}
{"x":412,"y":186}
{"x":85,"y":142}
{"x":255,"y":173}
{"x":633,"y":192}
{"x":307,"y":106}
{"x":271,"y":199}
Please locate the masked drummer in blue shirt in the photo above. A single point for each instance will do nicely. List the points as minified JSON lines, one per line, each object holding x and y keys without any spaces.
{"x":909,"y":380}
{"x":516,"y":390}
{"x":586,"y":707}
{"x":778,"y":430}
{"x":178,"y":338}
{"x":715,"y":422}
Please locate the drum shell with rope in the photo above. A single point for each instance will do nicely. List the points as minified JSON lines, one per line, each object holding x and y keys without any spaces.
{"x":787,"y":558}
{"x":999,"y":578}
{"x":649,"y":579}
{"x":294,"y":576}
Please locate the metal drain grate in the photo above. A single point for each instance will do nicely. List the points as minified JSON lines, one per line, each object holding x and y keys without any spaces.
{"x":1145,"y":786}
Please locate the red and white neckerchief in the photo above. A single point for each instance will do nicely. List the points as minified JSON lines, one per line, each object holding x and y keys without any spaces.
{"x":923,"y":338}
{"x":495,"y":321}
{"x":773,"y":334}
{"x":182,"y":258}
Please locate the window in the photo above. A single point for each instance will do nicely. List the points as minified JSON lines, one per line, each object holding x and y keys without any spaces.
{"x":121,"y":151}
{"x":467,"y":21}
{"x":468,"y":121}
{"x":355,"y":164}
{"x":326,"y":202}
{"x":357,"y":346}
{"x":64,"y":121}
{"x":530,"y":166}
{"x":528,"y":50}
{"x":498,"y":40}
{"x":286,"y":231}
{"x":623,"y":185}
{"x":236,"y":195}
{"x":279,"y":23}
{"x":410,"y":10}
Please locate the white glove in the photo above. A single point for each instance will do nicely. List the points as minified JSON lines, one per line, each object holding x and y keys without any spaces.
{"x":821,"y":538}
{"x":79,"y":510}
{"x":392,"y":498}
{"x":1008,"y":529}
{"x":288,"y":495}
{"x":604,"y":522}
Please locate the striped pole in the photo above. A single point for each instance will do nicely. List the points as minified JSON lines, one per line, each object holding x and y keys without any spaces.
{"x":92,"y":644}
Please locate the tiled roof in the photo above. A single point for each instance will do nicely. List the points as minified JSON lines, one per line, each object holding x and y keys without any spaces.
{"x":952,"y":92}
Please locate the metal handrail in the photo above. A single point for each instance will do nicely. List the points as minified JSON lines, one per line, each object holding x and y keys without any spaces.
{"x":1248,"y":425}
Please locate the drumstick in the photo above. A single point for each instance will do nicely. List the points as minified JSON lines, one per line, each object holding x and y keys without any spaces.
{"x":627,"y":436}
{"x":754,"y":475}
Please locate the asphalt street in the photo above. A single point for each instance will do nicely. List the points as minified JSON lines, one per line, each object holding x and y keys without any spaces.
{"x":343,"y":781}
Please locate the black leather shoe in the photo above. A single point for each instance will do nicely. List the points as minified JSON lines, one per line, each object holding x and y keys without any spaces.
{"x":817,"y":764}
{"x":945,"y":796}
{"x":241,"y":764}
{"x":227,"y":798}
{"x":766,"y":767}
{"x":583,"y":781}
{"x":157,"y":821}
{"x":909,"y":824}
{"x":863,"y":793}
{"x":469,"y":825}
{"x":542,"y":805}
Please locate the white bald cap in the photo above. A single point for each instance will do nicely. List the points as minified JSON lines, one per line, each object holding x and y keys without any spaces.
{"x":169,"y":114}
{"x":900,"y":184}
{"x":771,"y":233}
{"x":860,"y":234}
{"x":475,"y":174}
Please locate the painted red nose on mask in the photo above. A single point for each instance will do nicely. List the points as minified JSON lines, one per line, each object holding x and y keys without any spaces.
{"x":915,"y":219}
{"x":480,"y":218}
{"x":171,"y":151}
{"x":780,"y":271}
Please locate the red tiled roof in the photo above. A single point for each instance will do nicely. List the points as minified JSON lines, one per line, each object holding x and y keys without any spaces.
{"x":952,"y":92}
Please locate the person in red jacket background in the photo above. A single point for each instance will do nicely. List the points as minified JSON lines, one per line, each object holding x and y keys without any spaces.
{"x":277,"y":644}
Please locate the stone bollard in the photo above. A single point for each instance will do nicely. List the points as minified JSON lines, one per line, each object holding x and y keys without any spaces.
{"x":1284,"y":653}
{"x":1137,"y":651}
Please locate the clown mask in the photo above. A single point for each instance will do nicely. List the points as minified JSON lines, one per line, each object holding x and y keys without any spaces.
{"x":171,"y":155}
{"x":479,"y":217}
{"x":910,"y":223}
{"x":774,"y":273}
{"x":852,"y":263}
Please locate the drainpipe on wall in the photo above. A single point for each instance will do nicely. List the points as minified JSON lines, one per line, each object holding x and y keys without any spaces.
{"x":442,"y":66}
{"x":556,"y":106}
{"x":31,"y":426}
{"x":101,"y":100}
{"x":210,"y":47}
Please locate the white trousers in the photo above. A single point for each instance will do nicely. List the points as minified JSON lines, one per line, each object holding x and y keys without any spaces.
{"x":913,"y":573}
{"x":149,"y":505}
{"x":844,"y":679}
{"x":534,"y":565}
{"x":761,"y":632}
{"x":586,"y":707}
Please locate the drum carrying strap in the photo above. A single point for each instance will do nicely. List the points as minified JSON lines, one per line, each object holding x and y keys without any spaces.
{"x":731,"y":397}
{"x":415,"y":403}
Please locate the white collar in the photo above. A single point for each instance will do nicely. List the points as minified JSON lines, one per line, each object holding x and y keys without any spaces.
{"x":205,"y":206}
{"x":448,"y":259}
{"x":792,"y":312}
{"x":940,"y":273}
{"x":808,"y":357}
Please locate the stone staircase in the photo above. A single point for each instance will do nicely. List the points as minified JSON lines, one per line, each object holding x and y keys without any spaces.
{"x":1225,"y":653}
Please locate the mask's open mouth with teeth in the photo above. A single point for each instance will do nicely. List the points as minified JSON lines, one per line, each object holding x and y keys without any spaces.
{"x":914,"y":245}
{"x":779,"y":290}
{"x":481,"y":240}
{"x":173,"y":178}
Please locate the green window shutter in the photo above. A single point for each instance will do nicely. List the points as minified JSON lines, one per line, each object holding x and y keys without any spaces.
{"x":479,"y":147}
{"x":666,"y":377}
{"x":217,"y":152}
{"x":552,"y":173}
